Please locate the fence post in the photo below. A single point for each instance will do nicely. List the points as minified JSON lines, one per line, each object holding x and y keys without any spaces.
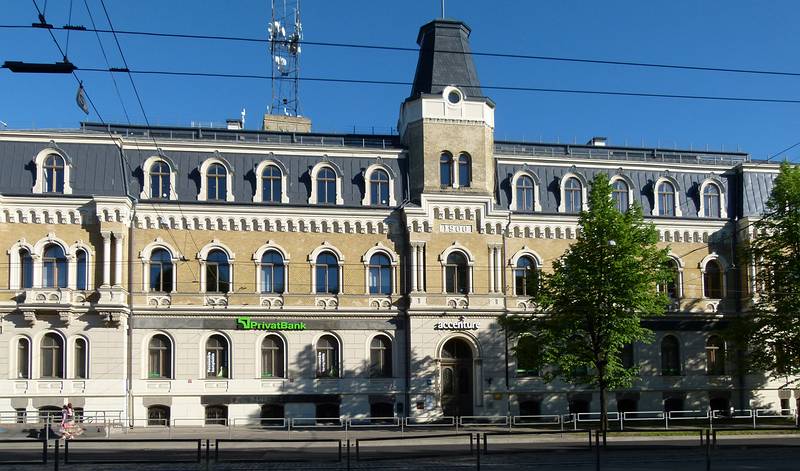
{"x":708,"y":450}
{"x":348,"y":454}
{"x":485,"y":443}
{"x":755,"y":413}
{"x":55,"y":456}
{"x":477,"y":451}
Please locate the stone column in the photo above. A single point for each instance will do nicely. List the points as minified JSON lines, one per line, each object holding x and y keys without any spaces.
{"x":118,"y":239}
{"x":106,"y":258}
{"x":413,"y":254}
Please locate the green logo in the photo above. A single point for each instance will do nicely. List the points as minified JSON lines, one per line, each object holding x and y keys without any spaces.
{"x":245,"y":323}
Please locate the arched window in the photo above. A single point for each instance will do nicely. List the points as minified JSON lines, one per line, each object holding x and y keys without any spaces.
{"x":25,"y":269}
{"x":160,"y":180}
{"x":326,"y":186}
{"x":23,"y":358}
{"x":272,"y":357}
{"x":379,"y":188}
{"x":457,"y":274}
{"x":464,"y":170}
{"x":619,"y":192}
{"x":81,"y":270}
{"x":327,"y":273}
{"x":216,"y":183}
{"x":217,"y":415}
{"x":712,"y":280}
{"x":272,"y":272}
{"x":527,"y":355}
{"x":672,"y":285}
{"x":81,"y":359}
{"x":52,"y":353}
{"x":380,"y":357}
{"x":54,"y":174}
{"x":670,"y":356}
{"x":525,"y":197}
{"x":217,"y":357}
{"x":711,"y":201}
{"x":327,"y":357}
{"x":666,"y":199}
{"x":218,"y":273}
{"x":715,"y":355}
{"x":158,"y":415}
{"x":271,"y":185}
{"x":161,"y":271}
{"x":573,"y":195}
{"x":159,"y":357}
{"x":446,"y":169}
{"x":380,"y":274}
{"x":525,"y":277}
{"x":54,"y":267}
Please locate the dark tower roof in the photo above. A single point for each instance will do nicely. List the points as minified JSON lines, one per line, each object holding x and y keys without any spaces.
{"x":445,"y":59}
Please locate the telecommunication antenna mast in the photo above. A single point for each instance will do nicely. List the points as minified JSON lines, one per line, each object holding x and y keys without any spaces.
{"x":285,"y":34}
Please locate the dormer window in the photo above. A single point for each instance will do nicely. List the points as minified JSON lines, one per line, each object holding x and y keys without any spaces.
{"x":666,"y":199}
{"x":217,"y":184}
{"x":379,"y":188}
{"x":326,"y":184}
{"x":160,"y":180}
{"x":272,"y":185}
{"x":54,"y":174}
{"x":572,"y":195}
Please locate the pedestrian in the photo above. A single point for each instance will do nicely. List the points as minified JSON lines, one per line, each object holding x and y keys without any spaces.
{"x":66,"y":422}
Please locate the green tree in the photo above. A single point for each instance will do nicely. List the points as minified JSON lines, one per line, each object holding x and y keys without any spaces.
{"x":592,"y":303}
{"x":772,"y":329}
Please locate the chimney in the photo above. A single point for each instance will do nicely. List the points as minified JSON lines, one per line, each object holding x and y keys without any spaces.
{"x":234,"y":124}
{"x":597,"y":141}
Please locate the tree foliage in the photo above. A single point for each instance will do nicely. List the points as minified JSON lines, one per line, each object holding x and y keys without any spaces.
{"x":772,"y":330}
{"x":592,"y":303}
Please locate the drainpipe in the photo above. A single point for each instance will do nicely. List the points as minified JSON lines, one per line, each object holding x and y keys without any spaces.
{"x":505,"y":311}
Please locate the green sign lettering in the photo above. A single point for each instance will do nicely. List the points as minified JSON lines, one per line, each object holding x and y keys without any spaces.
{"x":246,"y":323}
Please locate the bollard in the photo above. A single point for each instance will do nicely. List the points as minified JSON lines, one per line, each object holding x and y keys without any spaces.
{"x":348,"y":454}
{"x":708,"y":450}
{"x":597,"y":449}
{"x":55,"y":457}
{"x":478,"y":457}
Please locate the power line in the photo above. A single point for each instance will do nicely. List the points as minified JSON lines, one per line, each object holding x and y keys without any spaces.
{"x":438,"y":51}
{"x":487,"y":87}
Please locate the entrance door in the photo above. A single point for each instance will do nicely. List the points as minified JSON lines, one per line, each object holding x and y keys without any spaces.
{"x":456,"y":378}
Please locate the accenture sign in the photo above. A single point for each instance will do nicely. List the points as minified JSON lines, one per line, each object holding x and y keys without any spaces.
{"x":460,"y":324}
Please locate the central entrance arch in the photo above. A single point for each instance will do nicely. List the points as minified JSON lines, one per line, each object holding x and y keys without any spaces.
{"x":456,"y":378}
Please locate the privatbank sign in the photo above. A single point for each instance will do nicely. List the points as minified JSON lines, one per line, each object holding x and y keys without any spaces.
{"x":246,"y":323}
{"x":460,"y":324}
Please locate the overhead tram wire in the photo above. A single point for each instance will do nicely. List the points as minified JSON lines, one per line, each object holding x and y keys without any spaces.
{"x":141,"y":107}
{"x":485,"y":87}
{"x":416,"y":50}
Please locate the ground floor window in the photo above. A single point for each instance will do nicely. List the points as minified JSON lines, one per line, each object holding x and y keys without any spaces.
{"x":673,"y":404}
{"x":158,"y":415}
{"x":530,"y":407}
{"x":719,"y":404}
{"x":272,"y":415}
{"x":578,"y":406}
{"x":382,"y":410}
{"x":327,"y":413}
{"x":50,"y":414}
{"x":627,"y":405}
{"x":216,"y":415}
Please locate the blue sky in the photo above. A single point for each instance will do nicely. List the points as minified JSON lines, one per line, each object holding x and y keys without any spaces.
{"x":730,"y":33}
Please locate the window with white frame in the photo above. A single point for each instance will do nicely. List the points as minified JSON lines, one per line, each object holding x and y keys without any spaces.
{"x":272,"y":357}
{"x":161,"y":271}
{"x":327,"y":273}
{"x":54,"y":267}
{"x":160,"y":180}
{"x":619,"y":194}
{"x":51,"y":352}
{"x":713,"y":285}
{"x":715,"y":355}
{"x":380,"y":274}
{"x":524,"y":192}
{"x":666,"y":199}
{"x":273,"y":272}
{"x":81,"y":358}
{"x":216,"y":180}
{"x":711,"y":201}
{"x":52,"y":172}
{"x":271,"y":184}
{"x":218,"y":272}
{"x":457,"y":273}
{"x":526,"y":279}
{"x":573,"y":195}
{"x":217,"y":357}
{"x":380,"y":357}
{"x":159,"y":357}
{"x":23,"y":358}
{"x":326,"y":184}
{"x":25,"y":269}
{"x":671,"y":287}
{"x":379,"y":188}
{"x":670,"y":356}
{"x":81,"y":269}
{"x":327,"y":353}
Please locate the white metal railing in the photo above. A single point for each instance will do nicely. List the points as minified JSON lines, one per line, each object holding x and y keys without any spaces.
{"x":54,"y":416}
{"x":317,"y":422}
{"x":532,"y":420}
{"x":373,"y":422}
{"x":276,"y":423}
{"x":483,"y":420}
{"x":443,"y":421}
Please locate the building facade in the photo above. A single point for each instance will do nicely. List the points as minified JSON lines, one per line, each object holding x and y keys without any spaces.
{"x":221,"y":275}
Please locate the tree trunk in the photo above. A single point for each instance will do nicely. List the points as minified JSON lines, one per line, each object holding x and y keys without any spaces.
{"x":603,"y":412}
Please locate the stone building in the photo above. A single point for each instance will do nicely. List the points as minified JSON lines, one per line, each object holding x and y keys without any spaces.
{"x":212,"y":275}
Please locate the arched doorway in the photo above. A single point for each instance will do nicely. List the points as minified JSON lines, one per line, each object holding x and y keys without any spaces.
{"x":456,"y":378}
